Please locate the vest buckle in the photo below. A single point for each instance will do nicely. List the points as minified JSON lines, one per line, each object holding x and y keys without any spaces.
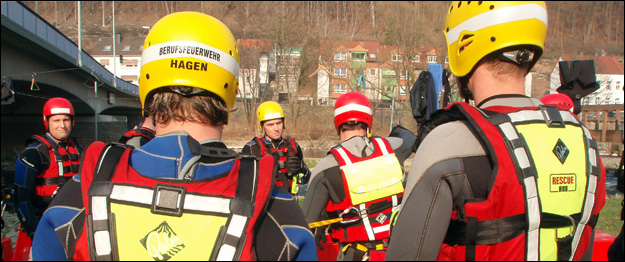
{"x":168,"y":200}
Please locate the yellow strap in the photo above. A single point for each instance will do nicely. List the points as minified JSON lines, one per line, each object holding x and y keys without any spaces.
{"x":324,"y":222}
{"x":361,"y":248}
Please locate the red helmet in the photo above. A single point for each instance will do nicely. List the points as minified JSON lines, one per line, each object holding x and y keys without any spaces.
{"x":57,"y":106}
{"x":558,"y":99}
{"x":352,"y":106}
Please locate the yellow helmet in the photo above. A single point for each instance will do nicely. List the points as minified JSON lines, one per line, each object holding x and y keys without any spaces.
{"x":190,"y":49}
{"x":475,"y":29}
{"x":267,"y":111}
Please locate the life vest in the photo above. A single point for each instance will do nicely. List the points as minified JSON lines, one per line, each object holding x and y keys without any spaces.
{"x":289,"y":149}
{"x":129,"y":216}
{"x":546,"y":189}
{"x":373,"y":190}
{"x":64,"y":163}
{"x":145,"y":133}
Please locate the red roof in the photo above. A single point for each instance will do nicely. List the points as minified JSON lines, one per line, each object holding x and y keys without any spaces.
{"x":606,"y":65}
{"x":262,"y":44}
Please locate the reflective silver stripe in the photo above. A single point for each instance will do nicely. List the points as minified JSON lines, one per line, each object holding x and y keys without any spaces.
{"x":498,"y":16}
{"x":348,"y":162}
{"x":521,"y":157}
{"x":101,"y":239}
{"x":592,"y":156}
{"x":192,"y":202}
{"x":188,"y":49}
{"x":395,"y":203}
{"x":588,"y":206}
{"x":509,"y":131}
{"x":533,"y":214}
{"x":384,"y":150}
{"x":99,"y":208}
{"x":365,"y":220}
{"x":59,"y":163}
{"x":533,"y":115}
{"x":590,"y":194}
{"x":235,"y":228}
{"x":102,"y":242}
{"x":383,"y":228}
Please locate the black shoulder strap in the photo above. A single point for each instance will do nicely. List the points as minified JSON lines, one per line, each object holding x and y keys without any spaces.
{"x":107,"y":162}
{"x":248,"y":176}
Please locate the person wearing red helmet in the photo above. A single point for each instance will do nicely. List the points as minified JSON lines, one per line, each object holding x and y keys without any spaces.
{"x":359,"y":181}
{"x":46,"y":164}
{"x":558,"y":99}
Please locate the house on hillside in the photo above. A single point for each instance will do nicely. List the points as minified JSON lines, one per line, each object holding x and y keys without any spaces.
{"x":267,"y":70}
{"x":609,"y":75}
{"x":256,"y":69}
{"x":126,"y":63}
{"x":379,"y":71}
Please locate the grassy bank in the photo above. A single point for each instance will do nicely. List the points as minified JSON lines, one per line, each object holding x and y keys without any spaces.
{"x":610,"y":216}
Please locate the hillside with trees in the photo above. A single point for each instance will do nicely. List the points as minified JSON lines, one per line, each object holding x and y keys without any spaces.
{"x":581,"y":26}
{"x":593,"y":28}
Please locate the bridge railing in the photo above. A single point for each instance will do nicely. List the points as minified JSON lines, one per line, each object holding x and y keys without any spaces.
{"x":51,"y":39}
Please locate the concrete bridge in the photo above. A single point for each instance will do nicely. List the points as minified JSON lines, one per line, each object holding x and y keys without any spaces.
{"x":38,"y":63}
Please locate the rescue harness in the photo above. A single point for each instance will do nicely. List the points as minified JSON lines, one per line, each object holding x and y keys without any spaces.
{"x":64,"y":163}
{"x":133,"y":217}
{"x":551,"y":204}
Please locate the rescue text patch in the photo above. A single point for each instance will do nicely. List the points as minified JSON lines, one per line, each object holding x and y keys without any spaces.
{"x":563,"y":182}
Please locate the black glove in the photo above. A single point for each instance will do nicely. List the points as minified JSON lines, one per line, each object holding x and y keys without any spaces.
{"x":320,"y":237}
{"x":304,"y":178}
{"x":293,"y":165}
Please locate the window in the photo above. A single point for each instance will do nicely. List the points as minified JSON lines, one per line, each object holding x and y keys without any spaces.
{"x":372,"y":56}
{"x":432,"y":59}
{"x":104,"y":61}
{"x":618,"y":85}
{"x":126,"y":48}
{"x":340,"y":72}
{"x":597,"y":100}
{"x":396,"y":58}
{"x":107,"y":48}
{"x":373,"y":72}
{"x":358,"y":56}
{"x":340,"y":57}
{"x":403,"y":74}
{"x":340,"y":88}
{"x":446,"y":60}
{"x":130,"y":63}
{"x":416,"y":59}
{"x":402,"y":90}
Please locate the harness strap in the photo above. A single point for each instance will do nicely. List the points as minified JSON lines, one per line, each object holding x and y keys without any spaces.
{"x":242,"y":208}
{"x":102,"y":240}
{"x":52,"y":180}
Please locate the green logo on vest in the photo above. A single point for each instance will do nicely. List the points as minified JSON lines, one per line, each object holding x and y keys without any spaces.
{"x":561,"y":151}
{"x":162,"y":243}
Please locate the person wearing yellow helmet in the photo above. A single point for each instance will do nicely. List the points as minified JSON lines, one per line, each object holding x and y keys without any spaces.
{"x":292,"y":169}
{"x":184,"y":195}
{"x":508,"y":179}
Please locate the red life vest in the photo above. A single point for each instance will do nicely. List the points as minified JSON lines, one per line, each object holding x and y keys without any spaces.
{"x":288,"y":149}
{"x":510,"y":223}
{"x":64,"y":163}
{"x":114,"y":186}
{"x":373,"y":215}
{"x":143,"y":132}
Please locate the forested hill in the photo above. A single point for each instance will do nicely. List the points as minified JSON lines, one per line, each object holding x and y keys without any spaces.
{"x":574,"y":27}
